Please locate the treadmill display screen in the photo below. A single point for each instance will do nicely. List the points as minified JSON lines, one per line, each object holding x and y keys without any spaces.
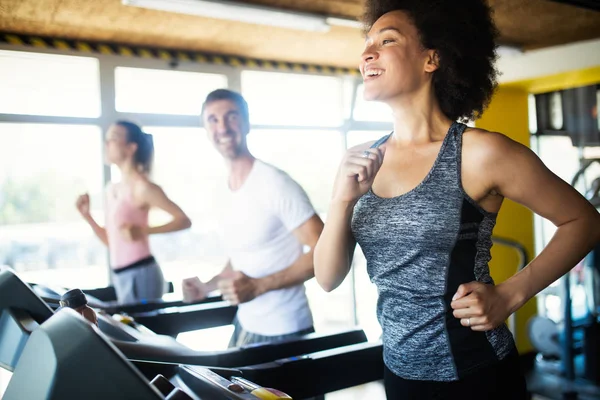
{"x":12,"y":340}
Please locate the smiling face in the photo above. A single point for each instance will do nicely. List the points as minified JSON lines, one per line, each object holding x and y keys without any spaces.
{"x":394,"y":62}
{"x":226,"y":128}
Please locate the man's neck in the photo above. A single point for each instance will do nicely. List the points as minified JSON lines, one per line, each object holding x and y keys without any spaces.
{"x":239,"y":169}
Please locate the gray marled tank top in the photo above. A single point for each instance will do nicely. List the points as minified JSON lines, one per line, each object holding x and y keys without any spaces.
{"x":420,"y":246}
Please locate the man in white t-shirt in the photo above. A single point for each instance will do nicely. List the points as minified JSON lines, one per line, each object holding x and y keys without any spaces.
{"x":267,"y":223}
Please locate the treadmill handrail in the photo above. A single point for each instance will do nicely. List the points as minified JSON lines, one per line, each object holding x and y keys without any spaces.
{"x":180,"y":354}
{"x":183,"y":309}
{"x":113,"y":307}
{"x":316,"y":355}
{"x":316,"y":374}
{"x":234,"y":357}
{"x":172,"y":321}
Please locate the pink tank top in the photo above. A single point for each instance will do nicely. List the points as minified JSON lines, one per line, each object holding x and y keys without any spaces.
{"x":120,"y":210}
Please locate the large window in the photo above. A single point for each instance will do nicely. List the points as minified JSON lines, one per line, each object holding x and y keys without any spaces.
{"x":292,"y":99}
{"x":46,"y":84}
{"x":559,"y":155}
{"x":46,"y":165}
{"x":163,"y":92}
{"x":43,"y":168}
{"x":372,"y":111}
{"x":354,"y":138}
{"x":193,"y":175}
{"x":310,"y":157}
{"x":365,"y":291}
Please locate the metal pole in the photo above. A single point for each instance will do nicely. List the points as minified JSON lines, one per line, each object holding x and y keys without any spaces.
{"x":568,"y":362}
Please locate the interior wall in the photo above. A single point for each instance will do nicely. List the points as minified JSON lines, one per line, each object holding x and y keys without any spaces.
{"x":560,"y":81}
{"x":508,"y":114}
{"x":549,"y":61}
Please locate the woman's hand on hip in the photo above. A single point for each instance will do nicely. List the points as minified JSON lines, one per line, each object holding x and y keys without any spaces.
{"x":480,"y":306}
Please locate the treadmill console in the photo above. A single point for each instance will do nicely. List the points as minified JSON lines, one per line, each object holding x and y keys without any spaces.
{"x":66,"y":358}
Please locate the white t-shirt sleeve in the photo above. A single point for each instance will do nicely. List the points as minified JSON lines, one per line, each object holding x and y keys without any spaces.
{"x":290,"y":202}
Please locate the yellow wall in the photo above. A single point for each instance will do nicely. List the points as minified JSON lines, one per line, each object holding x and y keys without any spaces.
{"x":562,"y":81}
{"x":508,"y":114}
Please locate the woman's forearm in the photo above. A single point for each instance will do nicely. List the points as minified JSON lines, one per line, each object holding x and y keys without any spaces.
{"x":177,"y":224}
{"x":334,"y":250}
{"x":99,"y":231}
{"x":569,"y":245}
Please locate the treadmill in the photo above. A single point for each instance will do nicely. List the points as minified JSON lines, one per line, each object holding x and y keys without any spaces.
{"x":106,"y":299}
{"x":299,"y":373}
{"x":305,"y":376}
{"x":138,"y":342}
{"x":67,"y":358}
{"x":164,"y":316}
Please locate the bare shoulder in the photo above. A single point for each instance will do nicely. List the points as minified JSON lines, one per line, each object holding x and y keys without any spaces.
{"x":494,"y":164}
{"x":144,"y":188}
{"x":482,"y":146}
{"x":484,"y":140}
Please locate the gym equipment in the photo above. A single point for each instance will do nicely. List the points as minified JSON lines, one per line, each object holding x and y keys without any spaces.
{"x":108,"y":302}
{"x":322,"y":372}
{"x":343,"y":367}
{"x":523,"y":261}
{"x":21,"y":312}
{"x":174,"y":320}
{"x":571,"y":347}
{"x":162,"y":317}
{"x":67,"y":358}
{"x":138,"y":342}
{"x":544,"y":335}
{"x":590,"y":323}
{"x":304,"y":376}
{"x":76,"y":300}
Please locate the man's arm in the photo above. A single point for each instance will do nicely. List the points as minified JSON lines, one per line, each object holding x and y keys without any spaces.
{"x":303,"y":268}
{"x":240,"y":288}
{"x":195,"y":290}
{"x":213,"y":284}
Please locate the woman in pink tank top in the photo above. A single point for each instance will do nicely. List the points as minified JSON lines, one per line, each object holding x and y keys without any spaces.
{"x":136,"y":275}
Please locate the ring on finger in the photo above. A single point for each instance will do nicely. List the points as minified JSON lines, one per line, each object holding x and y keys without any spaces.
{"x":469,"y":322}
{"x":366,"y":154}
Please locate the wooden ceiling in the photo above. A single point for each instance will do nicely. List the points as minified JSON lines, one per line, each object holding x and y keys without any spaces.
{"x":530,"y":24}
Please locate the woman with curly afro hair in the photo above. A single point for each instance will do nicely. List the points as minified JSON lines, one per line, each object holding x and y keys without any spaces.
{"x":422,"y":203}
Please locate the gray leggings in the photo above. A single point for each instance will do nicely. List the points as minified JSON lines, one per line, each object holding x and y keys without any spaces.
{"x":242,"y":337}
{"x":135,"y":285}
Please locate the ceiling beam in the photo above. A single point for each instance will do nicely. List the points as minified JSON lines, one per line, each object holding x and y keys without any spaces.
{"x":589,"y":4}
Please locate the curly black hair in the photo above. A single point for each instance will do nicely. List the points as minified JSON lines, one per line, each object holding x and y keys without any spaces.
{"x":464,"y":36}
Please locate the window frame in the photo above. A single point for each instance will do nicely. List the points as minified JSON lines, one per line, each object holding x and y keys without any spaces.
{"x":109,"y":114}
